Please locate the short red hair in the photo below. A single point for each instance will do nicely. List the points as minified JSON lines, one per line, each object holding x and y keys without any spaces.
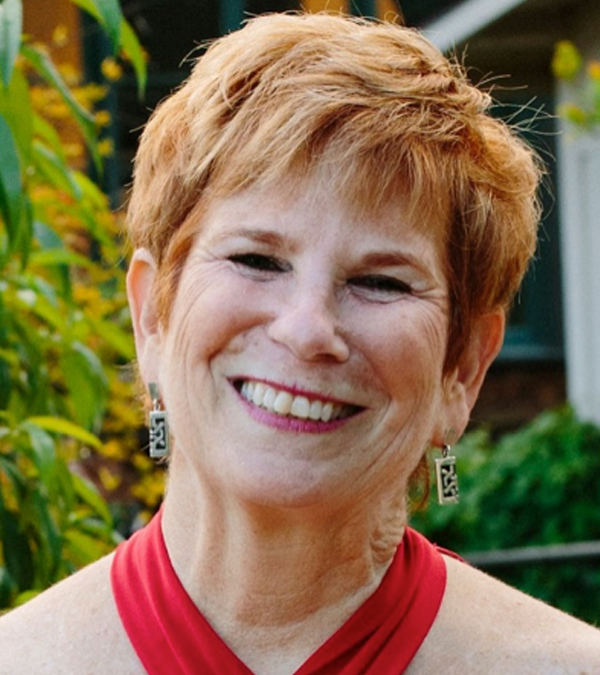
{"x":377,"y":101}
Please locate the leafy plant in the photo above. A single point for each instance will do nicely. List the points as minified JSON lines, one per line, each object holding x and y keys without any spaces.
{"x":63,"y":318}
{"x":538,"y":485}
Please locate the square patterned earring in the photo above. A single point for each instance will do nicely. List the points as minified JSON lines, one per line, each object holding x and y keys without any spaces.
{"x":159,"y":426}
{"x":446,"y":477}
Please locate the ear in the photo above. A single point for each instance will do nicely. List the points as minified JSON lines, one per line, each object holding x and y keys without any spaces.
{"x":144,"y":313}
{"x":462,"y":385}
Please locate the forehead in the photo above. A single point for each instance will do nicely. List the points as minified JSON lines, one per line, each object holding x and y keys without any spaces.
{"x":318,"y":203}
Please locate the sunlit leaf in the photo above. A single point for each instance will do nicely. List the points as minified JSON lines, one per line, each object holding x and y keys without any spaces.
{"x":44,"y":450}
{"x":133,"y":49}
{"x":54,"y":169}
{"x":87,"y":493}
{"x":64,"y":427}
{"x":24,"y":597}
{"x":44,"y":130}
{"x":82,"y":548}
{"x":85,"y":120}
{"x":122,"y":36}
{"x":60,"y":256}
{"x":15,"y":107}
{"x":108,"y":14}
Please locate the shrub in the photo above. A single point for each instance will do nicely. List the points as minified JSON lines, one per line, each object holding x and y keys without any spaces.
{"x":539,"y":485}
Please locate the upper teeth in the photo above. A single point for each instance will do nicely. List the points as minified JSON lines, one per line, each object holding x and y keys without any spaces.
{"x":284,"y":403}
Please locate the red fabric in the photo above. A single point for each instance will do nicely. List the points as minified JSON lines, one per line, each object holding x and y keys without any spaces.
{"x":171,"y":637}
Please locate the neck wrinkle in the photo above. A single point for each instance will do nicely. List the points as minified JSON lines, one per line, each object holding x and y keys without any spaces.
{"x":259,"y":574}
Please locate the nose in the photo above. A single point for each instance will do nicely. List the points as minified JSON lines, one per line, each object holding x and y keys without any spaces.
{"x":306,"y":324}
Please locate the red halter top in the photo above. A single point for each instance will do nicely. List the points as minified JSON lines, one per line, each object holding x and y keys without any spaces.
{"x":171,"y":637}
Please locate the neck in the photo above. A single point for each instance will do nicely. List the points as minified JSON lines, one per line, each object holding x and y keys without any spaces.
{"x":257,"y":573}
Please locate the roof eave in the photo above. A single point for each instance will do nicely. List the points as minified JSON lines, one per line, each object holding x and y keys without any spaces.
{"x":465,"y":20}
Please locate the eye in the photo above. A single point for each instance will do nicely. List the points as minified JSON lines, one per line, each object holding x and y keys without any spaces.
{"x":259,"y":262}
{"x":380,"y":284}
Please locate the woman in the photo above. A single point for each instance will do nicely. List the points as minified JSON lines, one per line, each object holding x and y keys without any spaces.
{"x":328,"y":229}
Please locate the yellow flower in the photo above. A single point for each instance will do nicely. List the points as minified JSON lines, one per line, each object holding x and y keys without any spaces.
{"x":113,"y":449}
{"x":73,"y":150}
{"x":111,"y":70}
{"x":108,"y":479}
{"x":60,"y":35}
{"x":593,"y":70}
{"x":106,"y":147}
{"x":103,"y":118}
{"x":71,"y":75}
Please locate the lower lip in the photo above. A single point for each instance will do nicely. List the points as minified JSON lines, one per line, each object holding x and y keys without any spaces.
{"x":291,"y":424}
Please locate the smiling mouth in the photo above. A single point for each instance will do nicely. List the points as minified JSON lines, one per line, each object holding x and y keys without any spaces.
{"x":283,"y":403}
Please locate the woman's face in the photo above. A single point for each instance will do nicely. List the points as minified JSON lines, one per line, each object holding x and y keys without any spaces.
{"x":304,"y":355}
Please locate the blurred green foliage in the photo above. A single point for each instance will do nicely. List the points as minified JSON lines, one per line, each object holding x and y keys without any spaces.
{"x":535,"y":486}
{"x":64,"y":326}
{"x":568,"y":65}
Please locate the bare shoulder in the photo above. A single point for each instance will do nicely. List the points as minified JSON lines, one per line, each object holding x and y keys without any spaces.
{"x":485,"y":626}
{"x":72,"y":628}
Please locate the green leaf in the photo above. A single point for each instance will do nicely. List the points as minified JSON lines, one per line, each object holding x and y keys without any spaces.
{"x":88,"y":494}
{"x":84,"y":119}
{"x":82,"y":548}
{"x":46,"y":132}
{"x":8,"y":588}
{"x":5,"y":383}
{"x":44,"y":451}
{"x":60,"y":256}
{"x":15,"y":106}
{"x":54,"y":170}
{"x":86,"y":381}
{"x":108,"y":14}
{"x":59,"y":425}
{"x":18,"y":556}
{"x":91,"y":191}
{"x":42,"y":306}
{"x":127,"y":37}
{"x":11,"y":26}
{"x":24,"y":597}
{"x":121,"y":341}
{"x":50,"y":539}
{"x":10,"y":182}
{"x":133,"y":49}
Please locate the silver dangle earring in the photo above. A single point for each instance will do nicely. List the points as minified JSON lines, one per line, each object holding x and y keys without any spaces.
{"x":446,"y":477}
{"x":159,"y":426}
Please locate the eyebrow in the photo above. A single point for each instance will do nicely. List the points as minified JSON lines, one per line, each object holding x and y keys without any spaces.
{"x":391,"y":259}
{"x":269,"y":237}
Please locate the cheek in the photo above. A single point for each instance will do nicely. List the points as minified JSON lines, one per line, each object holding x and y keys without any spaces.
{"x":212,"y":315}
{"x":408,"y":347}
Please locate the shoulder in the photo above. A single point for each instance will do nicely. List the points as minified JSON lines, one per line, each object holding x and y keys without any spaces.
{"x":485,"y":626}
{"x":72,"y":628}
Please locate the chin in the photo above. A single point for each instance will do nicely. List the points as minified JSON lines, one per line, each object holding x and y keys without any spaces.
{"x":297,"y":487}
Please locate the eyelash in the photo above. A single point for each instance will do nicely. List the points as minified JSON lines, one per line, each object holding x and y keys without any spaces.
{"x":259,"y":262}
{"x":380,"y":284}
{"x":370,"y":283}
